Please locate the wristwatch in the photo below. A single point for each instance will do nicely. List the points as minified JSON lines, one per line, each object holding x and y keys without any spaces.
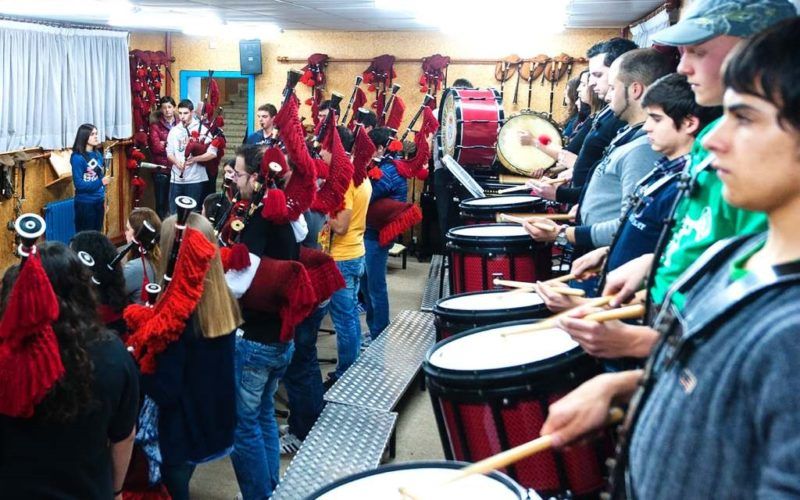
{"x":561,"y":237}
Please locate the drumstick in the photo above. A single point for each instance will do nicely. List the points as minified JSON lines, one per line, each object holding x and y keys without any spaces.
{"x":508,"y":457}
{"x":513,"y":189}
{"x":552,"y":321}
{"x":626,"y":312}
{"x":554,"y":181}
{"x":544,"y":227}
{"x":528,"y":287}
{"x":520,"y":218}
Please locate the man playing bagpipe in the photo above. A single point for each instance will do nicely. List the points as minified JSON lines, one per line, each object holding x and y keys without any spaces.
{"x":184,"y":145}
{"x":268,"y":133}
{"x":714,"y":414}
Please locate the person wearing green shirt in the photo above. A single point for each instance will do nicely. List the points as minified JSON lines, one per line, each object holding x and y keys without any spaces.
{"x":705,"y":36}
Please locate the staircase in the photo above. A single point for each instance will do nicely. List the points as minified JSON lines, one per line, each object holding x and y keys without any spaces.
{"x":235,"y":124}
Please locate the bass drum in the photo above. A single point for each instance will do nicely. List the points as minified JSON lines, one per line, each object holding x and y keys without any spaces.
{"x":470,"y":120}
{"x":525,"y":160}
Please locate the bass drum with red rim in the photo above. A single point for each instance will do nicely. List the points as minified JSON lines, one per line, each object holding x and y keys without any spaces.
{"x":470,"y":122}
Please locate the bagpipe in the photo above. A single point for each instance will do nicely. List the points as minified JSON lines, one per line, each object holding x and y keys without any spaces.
{"x":389,"y":217}
{"x":155,"y":326}
{"x":210,"y":132}
{"x":30,"y":359}
{"x":290,"y":289}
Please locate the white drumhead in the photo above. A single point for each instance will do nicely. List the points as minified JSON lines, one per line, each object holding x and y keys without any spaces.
{"x":492,"y":301}
{"x":524,"y":160}
{"x":490,"y":230}
{"x":502,"y":200}
{"x":448,"y":125}
{"x":386,"y":486}
{"x":489,"y":349}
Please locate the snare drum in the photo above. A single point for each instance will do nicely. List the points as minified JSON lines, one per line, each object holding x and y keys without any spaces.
{"x":525,"y":160}
{"x":479,"y":253}
{"x":470,"y":120}
{"x":458,"y":313}
{"x":422,"y":477}
{"x":491,"y":393}
{"x":483,"y":210}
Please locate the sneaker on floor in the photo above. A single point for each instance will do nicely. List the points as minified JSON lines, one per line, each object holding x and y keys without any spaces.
{"x":283,"y":429}
{"x":290,"y":444}
{"x":365,"y":342}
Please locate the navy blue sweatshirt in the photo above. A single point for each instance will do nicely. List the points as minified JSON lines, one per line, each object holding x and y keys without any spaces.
{"x":87,"y":176}
{"x":390,"y":185}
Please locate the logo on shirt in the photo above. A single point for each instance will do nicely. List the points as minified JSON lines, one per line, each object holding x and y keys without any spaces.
{"x":696,"y":229}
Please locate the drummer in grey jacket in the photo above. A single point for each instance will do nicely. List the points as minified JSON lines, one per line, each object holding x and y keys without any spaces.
{"x":625,"y":161}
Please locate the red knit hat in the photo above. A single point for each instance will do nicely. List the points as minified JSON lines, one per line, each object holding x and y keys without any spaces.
{"x":30,"y":361}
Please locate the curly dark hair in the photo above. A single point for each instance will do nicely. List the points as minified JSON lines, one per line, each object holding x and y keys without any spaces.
{"x":111,"y":289}
{"x":77,"y":326}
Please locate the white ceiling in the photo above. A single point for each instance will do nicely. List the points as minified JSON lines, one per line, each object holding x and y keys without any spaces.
{"x":362,"y":15}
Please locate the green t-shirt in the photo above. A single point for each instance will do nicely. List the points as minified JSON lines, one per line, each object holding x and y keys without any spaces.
{"x":703,"y":219}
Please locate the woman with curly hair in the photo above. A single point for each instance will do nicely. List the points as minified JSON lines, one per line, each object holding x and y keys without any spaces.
{"x":77,"y":442}
{"x":140,"y":269}
{"x":109,"y":283}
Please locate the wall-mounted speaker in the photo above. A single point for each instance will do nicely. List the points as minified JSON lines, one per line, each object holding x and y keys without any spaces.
{"x":250,"y":57}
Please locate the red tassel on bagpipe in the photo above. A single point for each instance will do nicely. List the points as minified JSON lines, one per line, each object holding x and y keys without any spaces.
{"x":396,"y":114}
{"x":301,"y":188}
{"x":331,"y":195}
{"x":322,"y":271}
{"x":392,"y":218}
{"x":363,"y":151}
{"x":283,"y":287}
{"x":417,"y":166}
{"x":153,"y":329}
{"x":274,"y":209}
{"x":235,"y":257}
{"x":30,"y":360}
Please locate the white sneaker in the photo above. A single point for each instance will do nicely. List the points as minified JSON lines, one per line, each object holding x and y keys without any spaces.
{"x":290,"y":444}
{"x":283,"y":429}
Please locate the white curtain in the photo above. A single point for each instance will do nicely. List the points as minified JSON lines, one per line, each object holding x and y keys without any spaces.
{"x":643,"y":32}
{"x":54,"y":79}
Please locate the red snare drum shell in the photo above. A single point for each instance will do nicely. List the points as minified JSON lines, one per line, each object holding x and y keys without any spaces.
{"x":485,"y":403}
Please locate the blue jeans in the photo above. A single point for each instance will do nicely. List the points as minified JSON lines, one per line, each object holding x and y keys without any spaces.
{"x":303,"y":381}
{"x":373,"y":287}
{"x":344,"y":314}
{"x":194,"y":191}
{"x":256,"y":453}
{"x":89,"y":215}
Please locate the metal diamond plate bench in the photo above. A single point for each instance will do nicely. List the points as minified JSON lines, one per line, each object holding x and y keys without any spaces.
{"x":383,"y":372}
{"x":344,"y":440}
{"x":437,"y":285}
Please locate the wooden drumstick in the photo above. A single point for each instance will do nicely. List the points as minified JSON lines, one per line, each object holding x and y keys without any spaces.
{"x":513,"y":189}
{"x":529,"y":287}
{"x":626,"y":312}
{"x":552,"y":321}
{"x":553,"y":281}
{"x":506,"y":458}
{"x":520,"y":218}
{"x":554,"y":181}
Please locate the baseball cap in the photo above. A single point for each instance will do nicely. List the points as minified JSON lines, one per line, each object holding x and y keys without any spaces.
{"x":707,"y":19}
